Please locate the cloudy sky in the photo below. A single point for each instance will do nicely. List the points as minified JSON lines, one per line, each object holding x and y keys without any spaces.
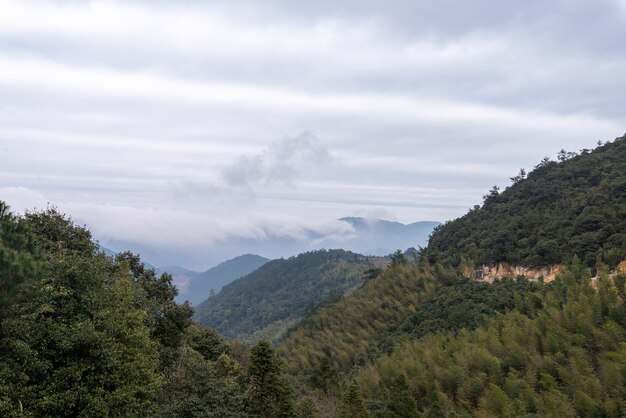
{"x":181,"y":124}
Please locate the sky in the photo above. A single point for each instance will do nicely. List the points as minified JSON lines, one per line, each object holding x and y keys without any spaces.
{"x":181,"y":125}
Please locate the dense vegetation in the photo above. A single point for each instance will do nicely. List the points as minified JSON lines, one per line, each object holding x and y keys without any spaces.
{"x":561,"y":353}
{"x":573,"y":206}
{"x":463,"y":305}
{"x":265,"y":303}
{"x":348,"y":331}
{"x":87,"y":335}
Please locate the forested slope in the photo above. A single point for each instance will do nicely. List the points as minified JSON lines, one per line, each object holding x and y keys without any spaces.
{"x":421,"y":340}
{"x":84,"y":334}
{"x":347,"y":332}
{"x":201,"y":285}
{"x":576,"y":205}
{"x":560,"y":353}
{"x":276,"y":295}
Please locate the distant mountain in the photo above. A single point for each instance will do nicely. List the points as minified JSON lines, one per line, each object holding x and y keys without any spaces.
{"x":367,"y":236}
{"x":107,"y":251}
{"x":110,"y":253}
{"x":269,"y":300}
{"x":380,"y":237}
{"x":196,"y":287}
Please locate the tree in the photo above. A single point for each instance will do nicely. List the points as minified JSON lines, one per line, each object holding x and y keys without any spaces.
{"x":306,"y":408}
{"x":545,"y":161}
{"x":16,"y":262}
{"x":401,"y":403}
{"x":493,"y":193}
{"x":398,"y":258}
{"x":202,"y":388}
{"x":521,"y":176}
{"x":352,"y":405}
{"x":167,"y":319}
{"x":325,"y":377}
{"x":269,"y":394}
{"x":78,"y":345}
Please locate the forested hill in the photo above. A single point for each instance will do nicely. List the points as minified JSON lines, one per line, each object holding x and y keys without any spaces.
{"x":270,"y":299}
{"x":201,"y":285}
{"x":573,"y":206}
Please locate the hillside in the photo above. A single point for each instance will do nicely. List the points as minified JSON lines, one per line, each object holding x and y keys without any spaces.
{"x":348,"y":331}
{"x":276,"y":295}
{"x":576,"y":205}
{"x":560,"y":353}
{"x":196,"y":287}
{"x":421,"y":340}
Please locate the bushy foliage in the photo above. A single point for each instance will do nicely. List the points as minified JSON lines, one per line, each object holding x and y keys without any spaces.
{"x":572,"y":207}
{"x":84,"y":334}
{"x":17,"y":264}
{"x":87,"y":335}
{"x":78,"y":345}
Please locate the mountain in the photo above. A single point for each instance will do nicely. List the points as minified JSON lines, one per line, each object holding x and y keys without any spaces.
{"x":380,"y":237}
{"x":196,"y":287}
{"x":573,"y":206}
{"x":360,"y":235}
{"x":421,"y":339}
{"x":272,"y":298}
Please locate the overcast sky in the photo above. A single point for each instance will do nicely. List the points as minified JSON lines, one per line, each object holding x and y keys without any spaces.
{"x":180,"y":124}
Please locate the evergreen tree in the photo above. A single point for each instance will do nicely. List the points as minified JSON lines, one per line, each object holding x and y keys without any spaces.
{"x":325,"y":377}
{"x":352,"y":405}
{"x":401,"y":403}
{"x":78,"y":345}
{"x":270,"y":395}
{"x":306,"y":408}
{"x":16,"y":262}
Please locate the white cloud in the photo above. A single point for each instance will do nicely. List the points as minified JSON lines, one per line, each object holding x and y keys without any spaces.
{"x":36,"y":74}
{"x":161,"y":121}
{"x":21,"y":199}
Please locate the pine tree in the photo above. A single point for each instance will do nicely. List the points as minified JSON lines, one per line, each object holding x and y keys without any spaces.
{"x":401,"y":403}
{"x":270,"y":395}
{"x":352,"y":405}
{"x":306,"y":408}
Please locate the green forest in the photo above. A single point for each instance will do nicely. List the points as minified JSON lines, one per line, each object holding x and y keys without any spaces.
{"x":573,"y":206}
{"x":83,"y":334}
{"x":263,"y":304}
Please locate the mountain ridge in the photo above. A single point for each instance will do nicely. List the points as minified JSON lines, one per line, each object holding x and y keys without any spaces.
{"x":199,"y":285}
{"x":281,"y":291}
